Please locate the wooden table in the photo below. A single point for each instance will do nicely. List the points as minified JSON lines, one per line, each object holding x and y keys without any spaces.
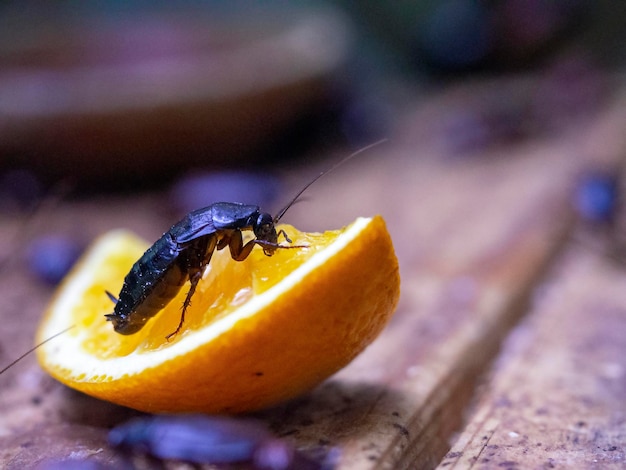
{"x":508,"y":348}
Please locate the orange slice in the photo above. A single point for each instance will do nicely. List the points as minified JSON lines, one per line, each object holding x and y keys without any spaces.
{"x":258,"y":332}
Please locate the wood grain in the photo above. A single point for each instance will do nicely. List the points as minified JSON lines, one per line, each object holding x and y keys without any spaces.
{"x":556,"y":397}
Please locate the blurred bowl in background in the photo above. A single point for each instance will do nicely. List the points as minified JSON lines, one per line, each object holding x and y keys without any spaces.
{"x":102,"y":101}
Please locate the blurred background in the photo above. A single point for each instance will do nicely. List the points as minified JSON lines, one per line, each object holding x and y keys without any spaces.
{"x":207,"y":101}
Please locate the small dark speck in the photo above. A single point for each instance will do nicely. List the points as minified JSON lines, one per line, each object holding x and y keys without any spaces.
{"x":258,"y":374}
{"x":539,"y":444}
{"x":507,"y":464}
{"x":372,"y":457}
{"x":445,"y":464}
{"x":396,"y":414}
{"x":612,"y":448}
{"x":581,"y":424}
{"x":404,"y":431}
{"x":485,"y":438}
{"x":36,"y":400}
{"x":454,"y":455}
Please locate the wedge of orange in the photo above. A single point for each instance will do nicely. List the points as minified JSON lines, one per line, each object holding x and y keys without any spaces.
{"x":258,"y":332}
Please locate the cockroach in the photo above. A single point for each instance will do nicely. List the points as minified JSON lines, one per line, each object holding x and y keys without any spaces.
{"x":183,"y":253}
{"x":200,"y":439}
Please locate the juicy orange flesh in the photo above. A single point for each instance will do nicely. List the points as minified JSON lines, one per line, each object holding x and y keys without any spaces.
{"x":226,"y":286}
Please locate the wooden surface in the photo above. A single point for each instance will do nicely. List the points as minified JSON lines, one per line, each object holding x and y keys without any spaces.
{"x":556,"y":397}
{"x":480,"y":243}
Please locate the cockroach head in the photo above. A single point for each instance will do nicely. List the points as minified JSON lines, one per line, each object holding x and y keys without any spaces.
{"x":264,"y":228}
{"x":122,"y":325}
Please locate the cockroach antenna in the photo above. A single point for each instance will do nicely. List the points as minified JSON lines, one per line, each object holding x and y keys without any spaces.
{"x":325,"y":172}
{"x":35,"y":348}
